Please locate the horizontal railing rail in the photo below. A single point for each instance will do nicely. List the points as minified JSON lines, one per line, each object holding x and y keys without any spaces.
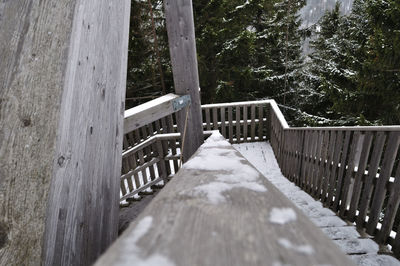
{"x":239,"y":121}
{"x":355,"y":171}
{"x":149,"y":165}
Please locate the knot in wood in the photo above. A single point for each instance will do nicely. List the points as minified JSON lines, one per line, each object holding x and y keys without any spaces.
{"x":61,"y":160}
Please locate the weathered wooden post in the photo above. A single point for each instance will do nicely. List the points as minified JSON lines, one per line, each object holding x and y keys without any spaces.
{"x":182,"y":47}
{"x":62,"y":71}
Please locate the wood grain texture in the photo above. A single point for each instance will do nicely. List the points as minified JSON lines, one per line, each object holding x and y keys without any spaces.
{"x":187,"y":229}
{"x":182,"y":47}
{"x":62,"y":72}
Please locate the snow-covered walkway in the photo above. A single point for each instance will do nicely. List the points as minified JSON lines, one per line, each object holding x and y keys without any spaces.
{"x":362,"y":250}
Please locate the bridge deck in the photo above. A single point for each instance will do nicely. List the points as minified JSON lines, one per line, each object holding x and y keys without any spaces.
{"x":362,"y":249}
{"x":219,"y":210}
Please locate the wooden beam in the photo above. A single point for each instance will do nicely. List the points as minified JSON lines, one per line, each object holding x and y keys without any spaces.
{"x":219,"y":210}
{"x":182,"y":47}
{"x":151,"y":111}
{"x":63,"y":76}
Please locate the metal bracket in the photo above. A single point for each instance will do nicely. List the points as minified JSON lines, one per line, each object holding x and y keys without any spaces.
{"x":179,"y":103}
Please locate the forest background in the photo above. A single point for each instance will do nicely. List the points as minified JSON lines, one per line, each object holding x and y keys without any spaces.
{"x":342,"y":70}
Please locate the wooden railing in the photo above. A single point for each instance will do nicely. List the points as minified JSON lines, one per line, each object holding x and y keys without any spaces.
{"x":354,"y":171}
{"x":238,"y":122}
{"x":151,"y":152}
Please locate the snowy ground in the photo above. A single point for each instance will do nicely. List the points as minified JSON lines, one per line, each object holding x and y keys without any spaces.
{"x":362,"y":250}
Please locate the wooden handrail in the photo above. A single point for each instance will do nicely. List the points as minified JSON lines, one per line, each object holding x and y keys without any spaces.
{"x":151,"y":111}
{"x":313,"y":157}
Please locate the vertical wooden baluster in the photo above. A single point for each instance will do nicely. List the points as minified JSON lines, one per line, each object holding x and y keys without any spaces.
{"x":336,"y":159}
{"x":165,"y":147}
{"x":158,"y":128}
{"x":253,"y":122}
{"x":230,"y":124}
{"x":309,"y":166}
{"x":150,"y":156}
{"x":300,"y":155}
{"x":237,"y":124}
{"x":125,"y":144}
{"x":384,"y":175}
{"x":328,"y":167}
{"x":215,"y":118}
{"x":170,"y":124}
{"x":314,"y":175}
{"x":150,"y":129}
{"x":342,"y":170}
{"x":260,"y":123}
{"x":321,"y":167}
{"x":208,"y":119}
{"x":391,"y":209}
{"x":161,"y":166}
{"x":144,"y":172}
{"x":359,"y":176}
{"x":138,"y":138}
{"x":245,"y":126}
{"x":164,"y":125}
{"x":223,"y":126}
{"x":134,"y":165}
{"x":172,"y":145}
{"x":305,"y":152}
{"x":349,"y":174}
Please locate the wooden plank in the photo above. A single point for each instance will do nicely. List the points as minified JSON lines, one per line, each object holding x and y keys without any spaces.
{"x":223,"y":126}
{"x":327,"y":165}
{"x":321,"y":168}
{"x":158,"y":126}
{"x":208,"y":120}
{"x":245,"y":125}
{"x":238,"y":222}
{"x":138,"y":169}
{"x":215,"y":118}
{"x":230,"y":125}
{"x":384,"y":175}
{"x":253,"y":122}
{"x":342,"y":171}
{"x":311,"y":162}
{"x":369,"y":180}
{"x":237,"y":108}
{"x":359,"y":175}
{"x":153,"y":110}
{"x":336,"y":158}
{"x":134,"y":166}
{"x":261,"y":122}
{"x":349,"y":173}
{"x":182,"y":47}
{"x":145,"y":179}
{"x":164,"y":125}
{"x":391,"y":210}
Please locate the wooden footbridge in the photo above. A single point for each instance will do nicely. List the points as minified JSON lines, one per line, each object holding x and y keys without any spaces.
{"x":64,"y":138}
{"x":351,"y":170}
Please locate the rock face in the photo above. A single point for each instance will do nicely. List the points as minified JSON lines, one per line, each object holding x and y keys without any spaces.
{"x":315,"y":9}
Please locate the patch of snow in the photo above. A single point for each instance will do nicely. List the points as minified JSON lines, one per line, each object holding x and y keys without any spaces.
{"x":134,"y":254}
{"x":234,"y":170}
{"x":214,"y":190}
{"x":374,"y":259}
{"x":357,"y":246}
{"x":327,"y":221}
{"x":342,"y":232}
{"x":282,"y":215}
{"x":242,"y":6}
{"x":303,"y":249}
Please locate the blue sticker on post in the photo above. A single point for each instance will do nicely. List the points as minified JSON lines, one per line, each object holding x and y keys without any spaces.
{"x":181,"y":102}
